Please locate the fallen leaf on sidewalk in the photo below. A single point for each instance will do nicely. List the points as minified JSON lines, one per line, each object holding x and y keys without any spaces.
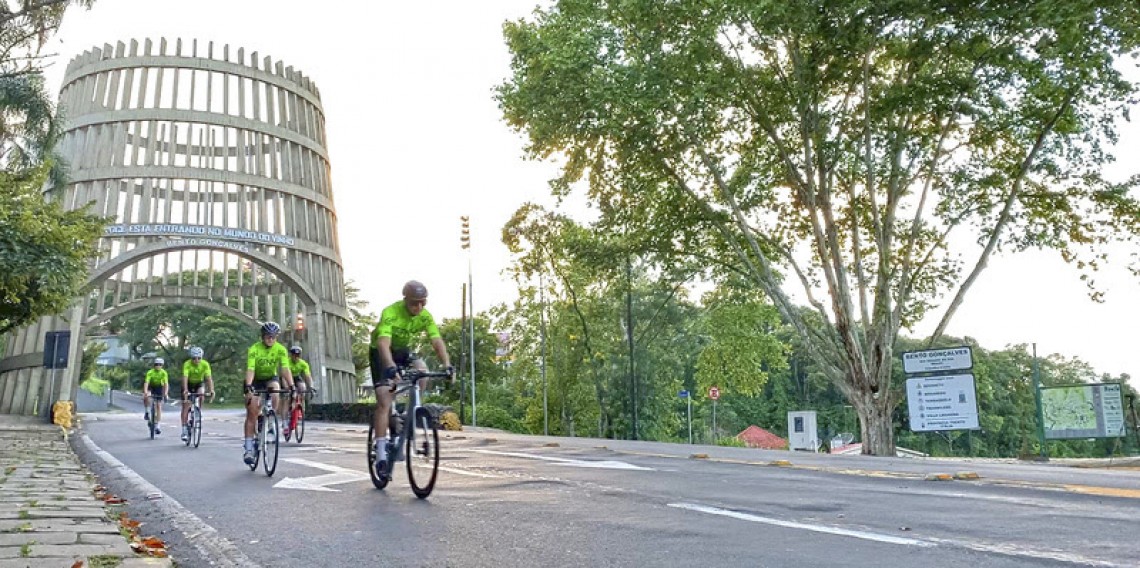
{"x":78,"y":564}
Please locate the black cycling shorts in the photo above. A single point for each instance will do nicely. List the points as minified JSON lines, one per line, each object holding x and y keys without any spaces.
{"x":402,"y":357}
{"x":155,"y":390}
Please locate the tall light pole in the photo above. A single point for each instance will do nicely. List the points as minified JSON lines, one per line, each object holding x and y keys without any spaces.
{"x":465,"y":239}
{"x":542,"y":341}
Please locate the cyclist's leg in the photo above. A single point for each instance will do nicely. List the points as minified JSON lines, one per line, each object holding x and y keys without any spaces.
{"x":156,"y":394}
{"x":186,"y":404}
{"x":274,"y":385}
{"x":418,"y":364}
{"x":146,"y":402}
{"x":251,"y":412}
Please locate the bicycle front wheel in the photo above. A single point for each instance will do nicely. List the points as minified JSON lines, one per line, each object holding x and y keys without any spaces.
{"x":196,"y":426}
{"x":299,"y":423}
{"x":153,"y":422}
{"x":270,"y":446}
{"x":422,"y":454}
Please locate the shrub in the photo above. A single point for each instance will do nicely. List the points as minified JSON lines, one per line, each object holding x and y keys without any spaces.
{"x":450,"y":421}
{"x":731,"y":441}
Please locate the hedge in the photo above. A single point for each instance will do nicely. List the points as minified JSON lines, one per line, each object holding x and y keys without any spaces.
{"x":355,"y":412}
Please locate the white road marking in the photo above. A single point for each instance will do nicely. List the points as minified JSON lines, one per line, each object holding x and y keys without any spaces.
{"x":319,"y":482}
{"x":877,"y":537}
{"x":606,"y":464}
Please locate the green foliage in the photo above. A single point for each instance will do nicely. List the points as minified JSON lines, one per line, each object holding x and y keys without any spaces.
{"x":95,"y":386}
{"x":44,"y":250}
{"x":836,"y":146}
{"x":91,"y":352}
{"x":731,"y":441}
{"x":361,"y":321}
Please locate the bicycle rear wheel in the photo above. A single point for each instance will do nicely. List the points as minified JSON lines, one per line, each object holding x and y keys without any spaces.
{"x":196,"y":425}
{"x":271,"y":445}
{"x":422,"y":454}
{"x":378,"y":480}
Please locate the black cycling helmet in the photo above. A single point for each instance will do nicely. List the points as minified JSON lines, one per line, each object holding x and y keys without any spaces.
{"x":295,"y":350}
{"x":415,"y":290}
{"x":270,"y":328}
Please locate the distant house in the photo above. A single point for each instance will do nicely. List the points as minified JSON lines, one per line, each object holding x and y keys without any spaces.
{"x":117,"y":353}
{"x":757,"y":437}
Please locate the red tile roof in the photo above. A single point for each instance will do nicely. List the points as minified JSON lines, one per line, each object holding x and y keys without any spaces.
{"x":757,"y":437}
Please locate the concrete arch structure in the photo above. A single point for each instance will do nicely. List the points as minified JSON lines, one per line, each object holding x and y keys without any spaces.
{"x":214,"y":166}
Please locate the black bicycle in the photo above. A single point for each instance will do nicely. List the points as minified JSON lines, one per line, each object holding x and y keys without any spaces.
{"x":194,"y":419}
{"x":152,"y":414}
{"x":414,"y":437}
{"x":265,"y":442}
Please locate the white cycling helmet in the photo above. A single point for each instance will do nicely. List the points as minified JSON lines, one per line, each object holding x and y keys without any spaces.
{"x":159,"y":361}
{"x":296,"y":349}
{"x":195,"y":352}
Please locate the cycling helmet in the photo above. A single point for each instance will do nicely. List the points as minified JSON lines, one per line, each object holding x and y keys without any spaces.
{"x":195,"y":352}
{"x":296,"y":349}
{"x":415,"y":290}
{"x":159,"y":361}
{"x":270,"y":328}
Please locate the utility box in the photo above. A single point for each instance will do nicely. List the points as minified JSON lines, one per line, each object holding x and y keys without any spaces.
{"x":802,"y":434}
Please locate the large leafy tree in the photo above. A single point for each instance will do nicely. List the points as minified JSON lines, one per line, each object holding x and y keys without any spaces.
{"x":846,"y":148}
{"x":43,"y":249}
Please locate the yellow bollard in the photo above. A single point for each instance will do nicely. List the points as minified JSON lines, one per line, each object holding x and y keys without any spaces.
{"x":62,"y":413}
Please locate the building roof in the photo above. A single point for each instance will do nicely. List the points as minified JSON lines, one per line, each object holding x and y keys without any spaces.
{"x":757,"y":437}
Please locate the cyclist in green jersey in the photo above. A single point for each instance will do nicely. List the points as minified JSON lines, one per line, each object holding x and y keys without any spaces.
{"x":158,"y":386}
{"x":263,"y":361}
{"x":302,"y":377}
{"x":195,"y":371}
{"x":390,"y":351}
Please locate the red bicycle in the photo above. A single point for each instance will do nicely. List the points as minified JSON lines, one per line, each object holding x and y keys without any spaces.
{"x":297,"y":406}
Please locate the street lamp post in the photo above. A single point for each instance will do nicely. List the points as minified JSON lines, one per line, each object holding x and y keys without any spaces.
{"x":542,"y":342}
{"x":465,"y":239}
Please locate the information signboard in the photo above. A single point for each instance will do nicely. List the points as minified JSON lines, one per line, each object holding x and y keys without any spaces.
{"x":941,"y":403}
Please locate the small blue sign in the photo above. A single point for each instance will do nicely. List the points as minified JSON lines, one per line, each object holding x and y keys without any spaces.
{"x":683,"y":394}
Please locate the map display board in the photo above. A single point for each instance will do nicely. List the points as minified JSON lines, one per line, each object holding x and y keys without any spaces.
{"x":1083,"y":411}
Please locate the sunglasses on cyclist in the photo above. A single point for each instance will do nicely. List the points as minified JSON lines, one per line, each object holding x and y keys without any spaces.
{"x":421,"y":302}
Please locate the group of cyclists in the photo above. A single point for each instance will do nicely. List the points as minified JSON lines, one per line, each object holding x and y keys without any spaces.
{"x":269,"y":364}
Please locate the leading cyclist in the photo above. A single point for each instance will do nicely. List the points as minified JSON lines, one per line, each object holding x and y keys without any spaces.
{"x":263,"y":360}
{"x":390,"y":351}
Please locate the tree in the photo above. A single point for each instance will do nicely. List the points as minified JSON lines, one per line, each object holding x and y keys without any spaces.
{"x":43,"y":251}
{"x":839,"y":146}
{"x":361,"y":321}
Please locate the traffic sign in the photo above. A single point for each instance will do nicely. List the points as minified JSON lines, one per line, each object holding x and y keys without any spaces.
{"x":714,"y":393}
{"x":937,"y":360}
{"x":683,"y":394}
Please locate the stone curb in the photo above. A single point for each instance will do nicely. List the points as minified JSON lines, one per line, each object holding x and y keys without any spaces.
{"x":50,"y":515}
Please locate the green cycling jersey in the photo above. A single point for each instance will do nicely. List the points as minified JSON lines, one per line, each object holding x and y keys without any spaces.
{"x":156,"y":377}
{"x":196,"y":373}
{"x":265,"y":361}
{"x":299,"y":368}
{"x":396,"y":323}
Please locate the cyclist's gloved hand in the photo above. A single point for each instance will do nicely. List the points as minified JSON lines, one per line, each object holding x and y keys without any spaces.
{"x":391,"y":373}
{"x":249,"y":389}
{"x":450,"y":372}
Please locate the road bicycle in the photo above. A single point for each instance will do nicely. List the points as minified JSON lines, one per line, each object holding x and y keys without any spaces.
{"x":414,"y":437}
{"x":265,"y":444}
{"x":194,"y":419}
{"x":297,"y":406}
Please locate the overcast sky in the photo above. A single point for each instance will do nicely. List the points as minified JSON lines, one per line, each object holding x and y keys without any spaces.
{"x":416,"y":140}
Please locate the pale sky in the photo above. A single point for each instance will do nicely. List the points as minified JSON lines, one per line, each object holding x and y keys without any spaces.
{"x":416,"y":140}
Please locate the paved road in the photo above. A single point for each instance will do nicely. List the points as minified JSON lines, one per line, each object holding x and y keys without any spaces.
{"x":505,"y":500}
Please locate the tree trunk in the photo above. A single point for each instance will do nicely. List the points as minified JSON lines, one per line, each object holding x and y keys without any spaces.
{"x":877,"y":426}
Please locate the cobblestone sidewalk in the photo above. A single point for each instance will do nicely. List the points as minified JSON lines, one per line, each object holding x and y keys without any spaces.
{"x":49,"y":514}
